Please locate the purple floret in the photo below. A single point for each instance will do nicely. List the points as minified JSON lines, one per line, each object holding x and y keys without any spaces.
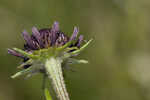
{"x":75,"y":33}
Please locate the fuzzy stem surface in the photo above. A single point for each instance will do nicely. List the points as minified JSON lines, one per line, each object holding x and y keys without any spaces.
{"x":54,"y":71}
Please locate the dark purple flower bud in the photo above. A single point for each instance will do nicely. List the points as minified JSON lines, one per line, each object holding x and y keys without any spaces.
{"x":46,"y":37}
{"x":75,"y":33}
{"x":61,"y":39}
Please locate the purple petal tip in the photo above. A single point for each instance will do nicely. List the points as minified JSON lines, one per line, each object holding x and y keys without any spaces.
{"x":75,"y":33}
{"x":24,"y":32}
{"x":36,"y":33}
{"x":80,"y":40}
{"x":55,"y":26}
{"x":35,"y":30}
{"x":81,"y":37}
{"x":27,"y":38}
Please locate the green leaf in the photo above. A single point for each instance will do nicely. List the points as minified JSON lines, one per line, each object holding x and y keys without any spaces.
{"x":47,"y":94}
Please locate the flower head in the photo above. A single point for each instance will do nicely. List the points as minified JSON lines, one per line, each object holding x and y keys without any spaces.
{"x":47,"y":38}
{"x":45,"y":44}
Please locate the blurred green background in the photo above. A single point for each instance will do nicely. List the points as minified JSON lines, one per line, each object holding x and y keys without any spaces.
{"x":119,"y":56}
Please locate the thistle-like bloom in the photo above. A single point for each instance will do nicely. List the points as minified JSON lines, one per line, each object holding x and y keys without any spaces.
{"x":48,"y":51}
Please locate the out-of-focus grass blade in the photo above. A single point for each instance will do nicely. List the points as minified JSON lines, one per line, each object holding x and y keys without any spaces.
{"x":47,"y":94}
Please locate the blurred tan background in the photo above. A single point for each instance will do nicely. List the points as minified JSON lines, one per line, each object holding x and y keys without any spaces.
{"x":119,"y":56}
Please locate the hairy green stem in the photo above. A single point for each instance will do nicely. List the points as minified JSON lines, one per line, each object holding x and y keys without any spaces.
{"x":54,"y":71}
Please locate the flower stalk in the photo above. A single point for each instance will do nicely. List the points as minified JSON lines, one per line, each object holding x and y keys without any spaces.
{"x":54,"y":72}
{"x":47,"y":94}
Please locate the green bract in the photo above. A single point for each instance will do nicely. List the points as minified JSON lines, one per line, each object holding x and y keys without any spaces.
{"x":43,"y":54}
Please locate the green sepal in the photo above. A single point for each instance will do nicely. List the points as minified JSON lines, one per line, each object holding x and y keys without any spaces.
{"x":26,"y":54}
{"x":65,"y":46}
{"x":29,"y":62}
{"x":82,"y":48}
{"x":76,"y":61}
{"x":69,"y":49}
{"x":23,"y":72}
